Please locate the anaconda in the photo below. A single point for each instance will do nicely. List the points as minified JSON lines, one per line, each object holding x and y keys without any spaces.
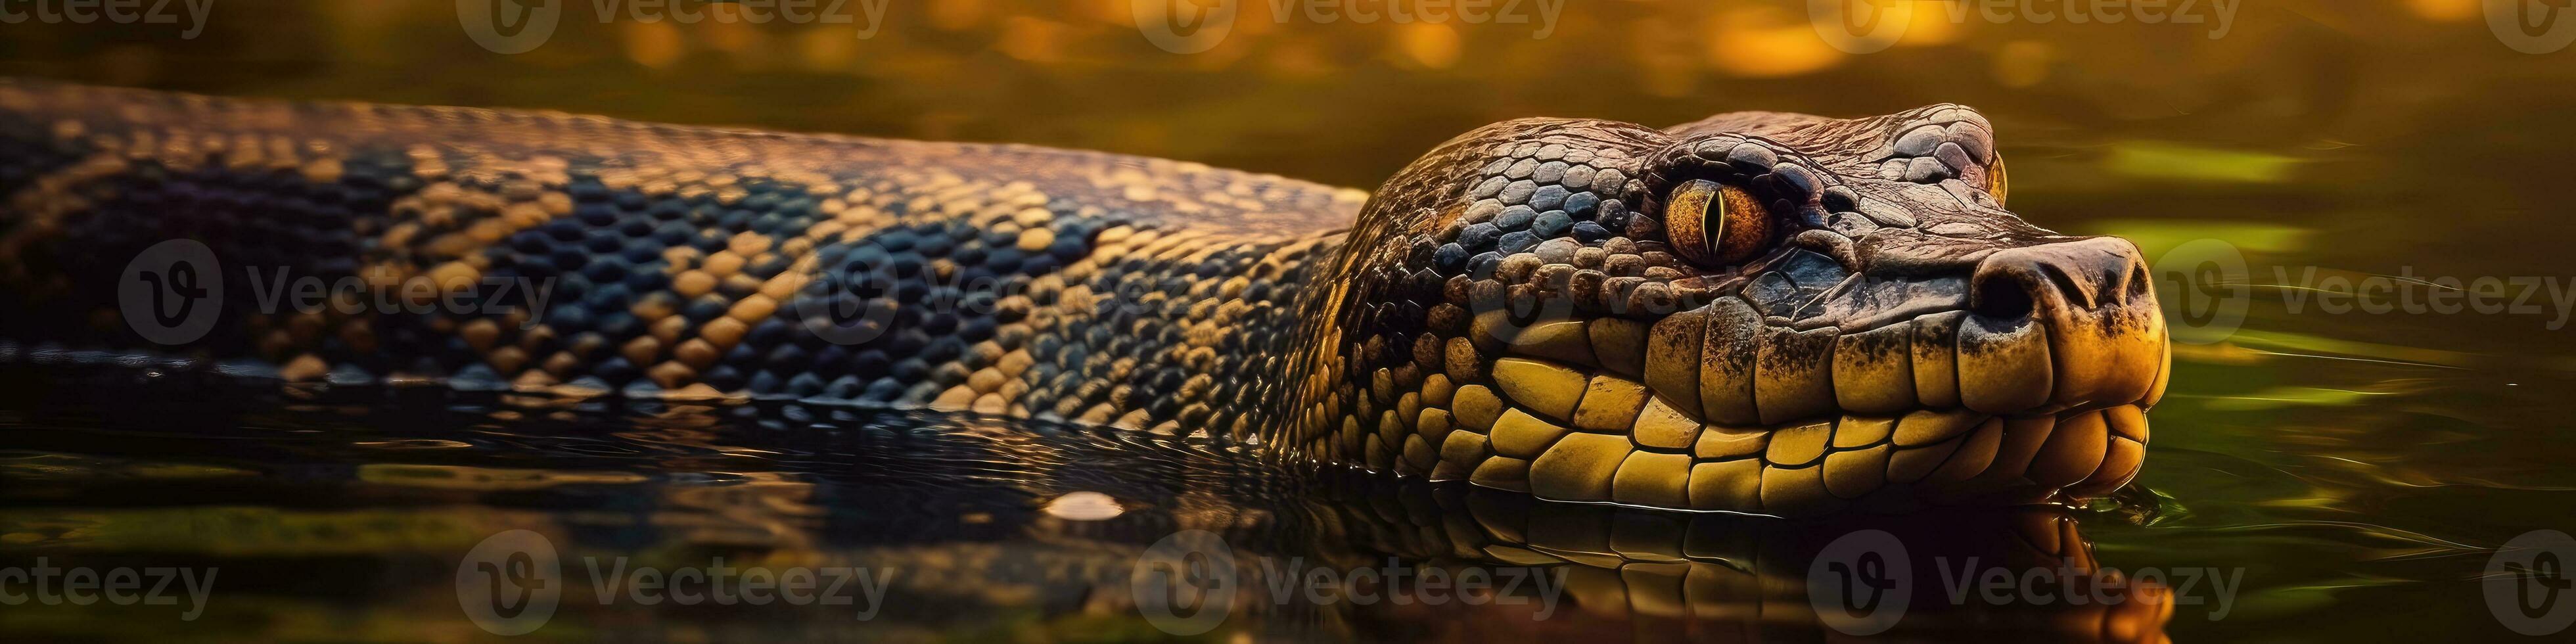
{"x":1757,"y":312}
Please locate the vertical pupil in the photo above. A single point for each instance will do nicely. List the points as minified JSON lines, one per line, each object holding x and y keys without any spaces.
{"x":1713,"y":220}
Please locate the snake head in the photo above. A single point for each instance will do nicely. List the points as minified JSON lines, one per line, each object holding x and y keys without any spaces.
{"x":1771,"y":313}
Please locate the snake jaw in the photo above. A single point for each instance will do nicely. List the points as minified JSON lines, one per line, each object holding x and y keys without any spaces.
{"x":1901,"y":343}
{"x":1695,"y":429}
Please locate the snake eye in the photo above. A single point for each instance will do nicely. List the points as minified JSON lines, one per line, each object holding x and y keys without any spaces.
{"x":1713,"y":224}
{"x":1995,"y":183}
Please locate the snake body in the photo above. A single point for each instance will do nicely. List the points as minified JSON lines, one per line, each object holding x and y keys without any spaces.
{"x":1757,"y":312}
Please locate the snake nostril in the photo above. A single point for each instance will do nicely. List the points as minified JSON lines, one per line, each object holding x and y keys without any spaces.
{"x":2005,"y":301}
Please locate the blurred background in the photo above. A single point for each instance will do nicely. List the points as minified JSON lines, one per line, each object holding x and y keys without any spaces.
{"x":2362,"y":465}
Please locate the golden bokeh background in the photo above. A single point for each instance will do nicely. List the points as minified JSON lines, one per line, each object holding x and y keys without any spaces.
{"x":1343,"y":101}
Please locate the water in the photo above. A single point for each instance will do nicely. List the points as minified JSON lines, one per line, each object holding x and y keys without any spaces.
{"x":346,"y":513}
{"x":2353,"y":471}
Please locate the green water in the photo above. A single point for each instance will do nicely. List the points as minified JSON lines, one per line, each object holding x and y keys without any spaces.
{"x":2355,"y":468}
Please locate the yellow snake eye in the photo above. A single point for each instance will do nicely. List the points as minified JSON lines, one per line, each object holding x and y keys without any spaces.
{"x":1996,"y":184}
{"x":1713,"y":224}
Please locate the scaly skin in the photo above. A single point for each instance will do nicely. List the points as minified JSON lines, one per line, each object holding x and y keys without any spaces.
{"x":1831,"y":312}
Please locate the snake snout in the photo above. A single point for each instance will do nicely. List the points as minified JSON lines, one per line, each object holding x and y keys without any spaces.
{"x":2080,"y":319}
{"x":2054,"y":278}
